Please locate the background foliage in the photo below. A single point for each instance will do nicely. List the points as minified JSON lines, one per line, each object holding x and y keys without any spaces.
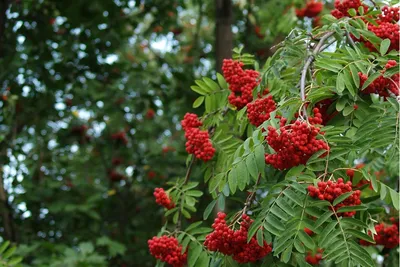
{"x":73,"y":74}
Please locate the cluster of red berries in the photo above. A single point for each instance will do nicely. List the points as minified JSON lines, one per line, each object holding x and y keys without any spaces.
{"x":331,"y":190}
{"x":197,"y":141}
{"x":314,"y":259}
{"x":381,"y":85}
{"x":81,"y":131}
{"x":150,"y":113}
{"x":163,"y":199}
{"x":241,"y":82}
{"x":295,"y":144}
{"x":389,"y":14}
{"x":311,"y":10}
{"x":387,"y":236}
{"x":258,"y":110}
{"x":234,"y":242}
{"x":384,"y":30}
{"x":342,"y":7}
{"x":116,"y":161}
{"x":115,"y":176}
{"x":167,"y":249}
{"x":120,"y":137}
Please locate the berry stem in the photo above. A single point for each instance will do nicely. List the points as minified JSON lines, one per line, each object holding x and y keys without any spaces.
{"x":252,"y":195}
{"x":307,"y":64}
{"x":188,"y":172}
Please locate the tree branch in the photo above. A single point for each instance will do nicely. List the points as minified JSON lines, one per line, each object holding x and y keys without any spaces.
{"x":307,"y":64}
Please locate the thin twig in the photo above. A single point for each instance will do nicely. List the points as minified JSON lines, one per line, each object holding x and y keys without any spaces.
{"x":252,"y":196}
{"x":351,"y":41}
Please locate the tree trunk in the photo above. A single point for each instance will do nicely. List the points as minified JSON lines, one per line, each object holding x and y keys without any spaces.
{"x":223,"y":34}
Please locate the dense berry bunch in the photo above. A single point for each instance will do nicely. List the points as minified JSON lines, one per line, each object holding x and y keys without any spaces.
{"x":241,"y":82}
{"x":381,"y":85}
{"x":115,"y":176}
{"x":295,"y":144}
{"x":167,"y":249}
{"x":342,"y":7}
{"x":314,"y":259}
{"x":311,"y":10}
{"x":163,"y":199}
{"x":197,"y":141}
{"x":331,"y":190}
{"x":120,"y":137}
{"x":390,"y":14}
{"x":234,"y":242}
{"x":190,"y":120}
{"x":387,"y":236}
{"x":150,"y":113}
{"x":384,"y":30}
{"x":258,"y":110}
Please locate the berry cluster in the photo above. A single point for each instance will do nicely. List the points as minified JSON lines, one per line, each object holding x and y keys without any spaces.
{"x":115,"y":176}
{"x":197,"y":141}
{"x":389,"y":14}
{"x":331,"y":190}
{"x":116,"y":161}
{"x":295,"y":144}
{"x":150,"y":113}
{"x":387,"y":236}
{"x":241,"y":82}
{"x":258,"y":110}
{"x":167,"y":249}
{"x":314,"y":259}
{"x":234,"y":242}
{"x":381,"y":85}
{"x":342,"y":7}
{"x":311,"y":10}
{"x":120,"y":137}
{"x":384,"y":30}
{"x":163,"y":199}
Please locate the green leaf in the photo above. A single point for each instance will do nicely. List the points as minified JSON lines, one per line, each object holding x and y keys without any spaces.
{"x":340,"y":104}
{"x":260,"y":237}
{"x":287,"y":254}
{"x":192,"y":226}
{"x":209,"y":209}
{"x":360,"y":235}
{"x":197,"y":103}
{"x":11,"y":251}
{"x":15,"y":260}
{"x":222,"y":82}
{"x":279,"y":213}
{"x":348,"y":81}
{"x":384,"y":46}
{"x":194,"y":253}
{"x":354,"y":74}
{"x":4,"y":246}
{"x":295,"y":171}
{"x":242,"y":175}
{"x":232,"y":180}
{"x":323,"y":218}
{"x":203,"y":260}
{"x":259,"y":153}
{"x":252,"y":166}
{"x":351,"y":208}
{"x":306,"y":239}
{"x":194,"y":193}
{"x":293,"y":196}
{"x":340,"y":83}
{"x":299,"y":246}
{"x":341,"y":198}
{"x":370,"y":79}
{"x":348,"y":110}
{"x":395,"y":198}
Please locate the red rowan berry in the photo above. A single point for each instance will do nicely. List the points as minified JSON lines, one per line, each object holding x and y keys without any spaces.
{"x":167,"y":249}
{"x":163,"y":199}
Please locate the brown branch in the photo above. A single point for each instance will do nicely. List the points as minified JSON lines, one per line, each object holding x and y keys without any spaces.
{"x":252,"y":196}
{"x":307,"y":64}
